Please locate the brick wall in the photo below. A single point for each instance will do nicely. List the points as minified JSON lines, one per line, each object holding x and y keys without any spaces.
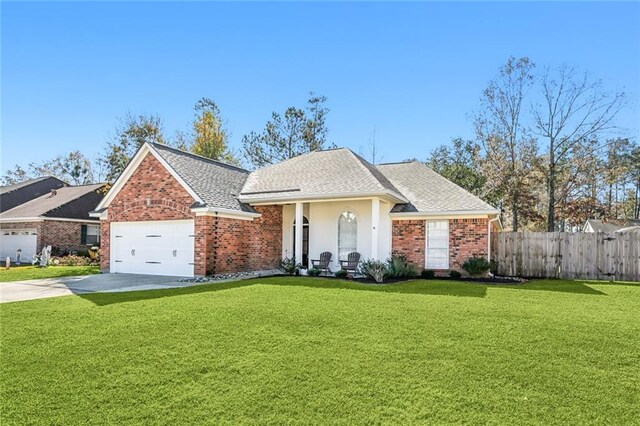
{"x":61,"y":234}
{"x":241,"y":245}
{"x":151,"y":193}
{"x":408,"y":238}
{"x":467,"y":238}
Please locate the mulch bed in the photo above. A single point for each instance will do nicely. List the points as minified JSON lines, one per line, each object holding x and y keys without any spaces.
{"x":493,"y":280}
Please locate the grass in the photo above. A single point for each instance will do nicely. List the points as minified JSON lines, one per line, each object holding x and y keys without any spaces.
{"x":21,"y":273}
{"x":305,"y":350}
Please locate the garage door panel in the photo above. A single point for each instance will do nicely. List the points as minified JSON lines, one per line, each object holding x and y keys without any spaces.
{"x":13,"y":239}
{"x":159,"y":248}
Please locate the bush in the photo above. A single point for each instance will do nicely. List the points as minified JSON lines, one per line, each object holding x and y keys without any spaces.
{"x":374,"y":269}
{"x":71,"y":261}
{"x":288,"y":265}
{"x":428,"y":274}
{"x":341,"y":273}
{"x":475,"y":266}
{"x":455,"y":274}
{"x":313,"y":272}
{"x":398,"y":267}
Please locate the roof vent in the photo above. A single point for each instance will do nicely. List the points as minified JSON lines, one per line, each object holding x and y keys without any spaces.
{"x":53,"y":193}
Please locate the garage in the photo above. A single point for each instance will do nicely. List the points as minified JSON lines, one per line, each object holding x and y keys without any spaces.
{"x":153,"y":247}
{"x":12,"y":240}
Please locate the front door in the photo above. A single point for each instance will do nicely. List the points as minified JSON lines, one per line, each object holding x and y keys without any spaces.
{"x":305,"y":241}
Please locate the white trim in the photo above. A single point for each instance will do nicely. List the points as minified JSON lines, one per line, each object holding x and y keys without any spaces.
{"x":228,"y":213}
{"x":132,"y":167}
{"x":42,"y":219}
{"x":458,"y":214}
{"x":311,"y":198}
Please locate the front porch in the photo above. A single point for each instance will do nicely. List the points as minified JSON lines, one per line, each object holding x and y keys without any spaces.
{"x":337,"y":226}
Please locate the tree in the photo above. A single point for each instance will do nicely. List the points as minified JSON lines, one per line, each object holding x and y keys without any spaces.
{"x":210,"y":139}
{"x":499,"y":126}
{"x":285,"y":136}
{"x":131,"y":134}
{"x":460,"y":163}
{"x":573,"y":109}
{"x":73,"y":168}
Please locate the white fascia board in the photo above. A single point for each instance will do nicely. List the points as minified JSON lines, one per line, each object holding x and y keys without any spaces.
{"x":227,"y":213}
{"x":103,"y":215}
{"x":339,"y":196}
{"x":131,"y":168}
{"x":458,"y":214}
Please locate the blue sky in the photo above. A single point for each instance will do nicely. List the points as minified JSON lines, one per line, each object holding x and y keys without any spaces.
{"x":414,"y":71}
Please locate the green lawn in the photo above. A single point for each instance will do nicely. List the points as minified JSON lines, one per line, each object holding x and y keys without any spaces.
{"x":20,"y":273}
{"x":305,"y":350}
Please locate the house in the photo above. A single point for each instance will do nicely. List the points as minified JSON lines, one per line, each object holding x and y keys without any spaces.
{"x":58,"y":217}
{"x":599,"y":225}
{"x":19,"y":193}
{"x":175,"y":213}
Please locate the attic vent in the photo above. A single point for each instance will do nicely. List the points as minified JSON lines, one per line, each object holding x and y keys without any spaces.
{"x":53,"y":193}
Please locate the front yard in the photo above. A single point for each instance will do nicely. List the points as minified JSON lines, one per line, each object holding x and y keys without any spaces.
{"x":305,"y":350}
{"x":22,"y":273}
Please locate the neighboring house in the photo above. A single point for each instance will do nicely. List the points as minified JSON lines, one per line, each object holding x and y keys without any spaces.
{"x":19,"y":193}
{"x":599,"y":225}
{"x":59,"y":218}
{"x":175,"y":213}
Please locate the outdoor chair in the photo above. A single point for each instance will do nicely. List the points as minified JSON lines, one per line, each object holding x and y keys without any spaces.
{"x":323,"y":262}
{"x":351,"y":264}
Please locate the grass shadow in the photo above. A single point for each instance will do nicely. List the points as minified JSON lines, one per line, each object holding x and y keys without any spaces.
{"x":423,"y":287}
{"x":562,"y":286}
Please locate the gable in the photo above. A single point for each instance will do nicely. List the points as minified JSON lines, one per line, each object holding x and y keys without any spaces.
{"x":150,"y":185}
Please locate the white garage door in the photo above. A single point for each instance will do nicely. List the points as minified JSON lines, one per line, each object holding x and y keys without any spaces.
{"x":158,"y":248}
{"x":13,"y":239}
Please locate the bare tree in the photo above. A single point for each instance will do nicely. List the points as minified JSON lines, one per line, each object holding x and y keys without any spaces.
{"x":574,"y":108}
{"x":506,"y":140}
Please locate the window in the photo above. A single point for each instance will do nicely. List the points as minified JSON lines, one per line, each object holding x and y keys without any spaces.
{"x":90,"y":235}
{"x":347,"y":235}
{"x":437,"y":244}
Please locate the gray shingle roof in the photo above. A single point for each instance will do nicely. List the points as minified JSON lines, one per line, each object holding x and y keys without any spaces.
{"x":217,"y":184}
{"x":317,"y":174}
{"x":428,"y":192}
{"x":44,"y":204}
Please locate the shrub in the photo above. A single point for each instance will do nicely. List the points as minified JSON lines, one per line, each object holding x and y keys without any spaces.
{"x":428,"y":274}
{"x":476,"y":266}
{"x":374,"y":269}
{"x":341,"y":273}
{"x":398,"y":267}
{"x":71,"y":261}
{"x":288,"y":265}
{"x":455,"y":274}
{"x":313,"y":272}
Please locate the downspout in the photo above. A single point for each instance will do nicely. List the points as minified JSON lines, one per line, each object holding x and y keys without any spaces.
{"x":489,"y":241}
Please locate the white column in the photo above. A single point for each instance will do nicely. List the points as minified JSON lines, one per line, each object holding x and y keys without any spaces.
{"x":375,"y":226}
{"x":299,"y":227}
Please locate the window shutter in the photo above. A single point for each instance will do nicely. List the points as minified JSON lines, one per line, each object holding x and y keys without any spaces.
{"x":83,"y":234}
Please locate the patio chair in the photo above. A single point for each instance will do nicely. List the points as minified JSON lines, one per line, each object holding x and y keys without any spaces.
{"x":323,"y":262}
{"x":351,"y":264}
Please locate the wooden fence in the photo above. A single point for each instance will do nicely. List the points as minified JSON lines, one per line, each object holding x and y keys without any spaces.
{"x":597,"y":256}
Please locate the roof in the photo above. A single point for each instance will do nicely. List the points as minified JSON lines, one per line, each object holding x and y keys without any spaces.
{"x":428,"y":192}
{"x":217,"y":184}
{"x":10,"y":188}
{"x":319,"y":174}
{"x":598,"y":225}
{"x":47,"y":203}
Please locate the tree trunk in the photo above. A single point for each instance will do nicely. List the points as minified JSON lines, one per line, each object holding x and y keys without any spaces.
{"x":514,"y":213}
{"x":551,"y":212}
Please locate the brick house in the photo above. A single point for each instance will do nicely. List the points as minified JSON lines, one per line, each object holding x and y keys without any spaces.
{"x":48,"y":212}
{"x":175,"y":213}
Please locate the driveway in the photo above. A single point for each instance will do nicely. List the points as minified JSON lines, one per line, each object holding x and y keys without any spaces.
{"x":101,"y":283}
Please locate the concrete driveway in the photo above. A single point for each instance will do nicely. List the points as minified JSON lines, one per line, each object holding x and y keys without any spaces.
{"x":101,"y":283}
